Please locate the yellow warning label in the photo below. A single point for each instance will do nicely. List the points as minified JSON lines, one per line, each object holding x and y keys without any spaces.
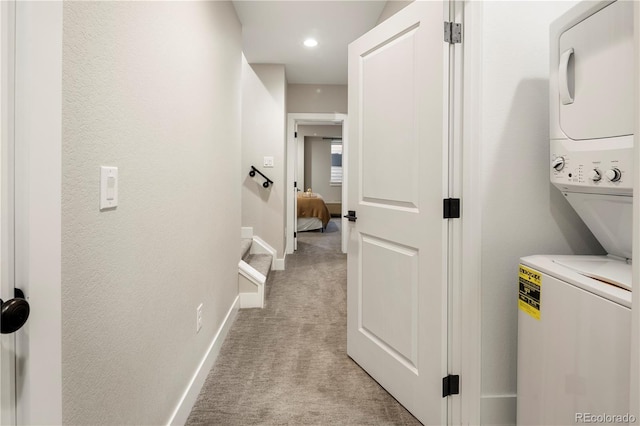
{"x":530,"y":283}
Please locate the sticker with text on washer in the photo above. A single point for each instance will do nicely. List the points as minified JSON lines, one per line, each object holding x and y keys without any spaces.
{"x":530,"y":283}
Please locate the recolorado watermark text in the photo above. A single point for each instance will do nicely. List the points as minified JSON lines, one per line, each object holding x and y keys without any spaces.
{"x":605,"y":418}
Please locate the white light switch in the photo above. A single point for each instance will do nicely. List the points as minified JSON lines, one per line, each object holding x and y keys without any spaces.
{"x":108,"y":187}
{"x":268,"y":161}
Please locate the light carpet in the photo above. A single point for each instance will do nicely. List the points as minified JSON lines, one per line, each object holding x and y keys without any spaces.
{"x":288,"y":363}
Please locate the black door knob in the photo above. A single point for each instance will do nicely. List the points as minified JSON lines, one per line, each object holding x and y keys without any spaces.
{"x":14,"y":313}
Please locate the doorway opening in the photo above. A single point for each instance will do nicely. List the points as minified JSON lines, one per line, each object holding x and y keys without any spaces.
{"x":316,"y":175}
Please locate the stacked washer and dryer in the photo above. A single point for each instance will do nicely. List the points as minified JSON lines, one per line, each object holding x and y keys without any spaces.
{"x":574,"y":317}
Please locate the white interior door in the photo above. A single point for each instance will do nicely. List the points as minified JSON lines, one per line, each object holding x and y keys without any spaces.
{"x":398,"y":168}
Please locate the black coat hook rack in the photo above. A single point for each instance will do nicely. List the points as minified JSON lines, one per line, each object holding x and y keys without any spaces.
{"x":253,"y":172}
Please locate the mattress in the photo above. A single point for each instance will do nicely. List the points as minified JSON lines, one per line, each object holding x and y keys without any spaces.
{"x":308,"y":224}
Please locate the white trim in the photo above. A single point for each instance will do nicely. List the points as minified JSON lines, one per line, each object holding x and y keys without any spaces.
{"x":246,"y":232}
{"x":634,"y":403}
{"x":251,"y":273}
{"x":7,"y":342}
{"x":260,"y":246}
{"x":278,"y":264}
{"x":468,"y":347}
{"x":38,"y":136}
{"x":345,"y":184}
{"x":251,"y":299}
{"x":308,"y":118}
{"x":190,"y":395}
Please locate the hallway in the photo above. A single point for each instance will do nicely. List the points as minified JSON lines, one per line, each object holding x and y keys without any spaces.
{"x":287,"y":363}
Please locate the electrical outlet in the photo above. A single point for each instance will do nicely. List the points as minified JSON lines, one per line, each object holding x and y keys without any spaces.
{"x":198,"y":318}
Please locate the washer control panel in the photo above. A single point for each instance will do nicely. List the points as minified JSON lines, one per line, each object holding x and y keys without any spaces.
{"x":598,"y":166}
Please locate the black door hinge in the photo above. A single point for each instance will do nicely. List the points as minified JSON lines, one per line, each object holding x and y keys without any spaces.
{"x":451,"y":208}
{"x":295,"y":235}
{"x":295,"y":134}
{"x":295,"y":184}
{"x":450,"y":385}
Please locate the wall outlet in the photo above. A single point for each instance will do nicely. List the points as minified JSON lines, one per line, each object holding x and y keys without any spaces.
{"x":268,"y":162}
{"x":198,"y":318}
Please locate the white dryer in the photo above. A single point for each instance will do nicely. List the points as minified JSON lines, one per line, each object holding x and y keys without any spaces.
{"x":574,"y":318}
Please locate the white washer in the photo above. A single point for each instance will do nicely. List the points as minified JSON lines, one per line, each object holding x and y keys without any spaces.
{"x":573,"y":360}
{"x":574,"y":317}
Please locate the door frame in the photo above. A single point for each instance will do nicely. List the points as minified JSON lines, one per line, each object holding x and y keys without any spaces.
{"x":37,"y":202}
{"x":634,"y":393}
{"x":293,"y":118}
{"x":466,"y":301}
{"x":7,"y":342}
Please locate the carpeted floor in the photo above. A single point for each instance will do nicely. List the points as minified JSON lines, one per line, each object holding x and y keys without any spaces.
{"x":288,"y":363}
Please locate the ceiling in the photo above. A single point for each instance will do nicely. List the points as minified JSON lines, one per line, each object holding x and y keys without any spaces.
{"x":273,"y":33}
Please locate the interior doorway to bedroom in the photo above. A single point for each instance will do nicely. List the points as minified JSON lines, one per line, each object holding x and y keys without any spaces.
{"x":317,"y":175}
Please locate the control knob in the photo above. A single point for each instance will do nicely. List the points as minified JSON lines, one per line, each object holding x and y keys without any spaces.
{"x":558,"y":163}
{"x":613,"y":175}
{"x":595,"y":175}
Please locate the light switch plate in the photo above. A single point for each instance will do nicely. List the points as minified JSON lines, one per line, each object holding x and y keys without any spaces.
{"x":108,"y":187}
{"x":268,"y":162}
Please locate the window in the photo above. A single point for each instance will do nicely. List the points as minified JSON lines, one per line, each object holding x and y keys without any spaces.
{"x":336,"y":162}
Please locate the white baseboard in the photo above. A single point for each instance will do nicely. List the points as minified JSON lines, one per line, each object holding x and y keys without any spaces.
{"x":498,"y":410}
{"x":246,"y":232}
{"x":190,"y":395}
{"x":278,"y":264}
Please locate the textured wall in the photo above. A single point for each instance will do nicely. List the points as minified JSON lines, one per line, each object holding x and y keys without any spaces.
{"x":263,"y":135}
{"x":317,"y":98}
{"x":522,"y":213}
{"x":154,"y":89}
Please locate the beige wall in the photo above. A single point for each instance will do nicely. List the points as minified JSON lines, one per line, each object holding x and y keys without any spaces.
{"x":317,"y":98}
{"x":154,"y":89}
{"x":313,"y":98}
{"x":304,"y":160}
{"x":515,"y":163}
{"x":263,"y":135}
{"x":318,"y":166}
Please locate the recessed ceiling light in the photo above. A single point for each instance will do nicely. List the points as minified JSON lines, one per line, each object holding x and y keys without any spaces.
{"x":311,"y":42}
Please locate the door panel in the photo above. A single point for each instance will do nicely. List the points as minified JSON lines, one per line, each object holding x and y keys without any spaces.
{"x":397,"y":281}
{"x":389,"y":312}
{"x":389,"y":172}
